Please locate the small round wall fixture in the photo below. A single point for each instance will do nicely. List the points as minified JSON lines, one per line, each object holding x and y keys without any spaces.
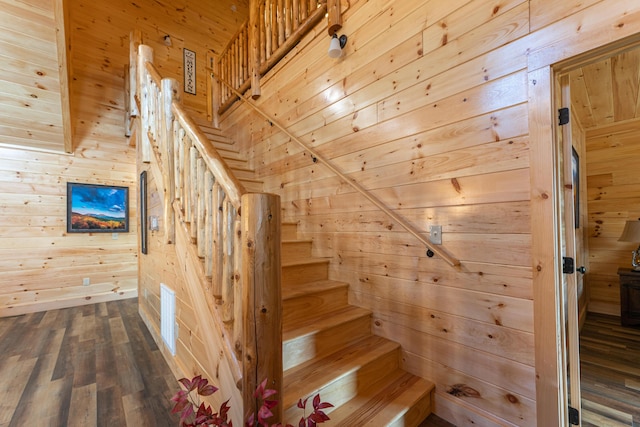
{"x":336,"y":45}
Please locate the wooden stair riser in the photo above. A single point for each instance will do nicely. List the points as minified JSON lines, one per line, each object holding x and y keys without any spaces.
{"x":296,"y":249}
{"x":300,"y":273}
{"x":346,"y":385}
{"x":246,"y":174}
{"x":289,"y":231}
{"x":296,"y":310}
{"x":302,"y":349}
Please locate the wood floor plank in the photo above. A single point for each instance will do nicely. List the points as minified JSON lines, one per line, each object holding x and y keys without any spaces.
{"x":609,"y":360}
{"x":83,"y":411}
{"x":17,"y":373}
{"x":94,"y":365}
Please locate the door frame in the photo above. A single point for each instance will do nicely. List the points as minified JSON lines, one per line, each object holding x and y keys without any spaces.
{"x":544,"y":64}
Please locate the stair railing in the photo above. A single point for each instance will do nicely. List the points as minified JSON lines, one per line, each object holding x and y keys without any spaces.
{"x":229,"y":239}
{"x":317,"y":157}
{"x":273,"y":29}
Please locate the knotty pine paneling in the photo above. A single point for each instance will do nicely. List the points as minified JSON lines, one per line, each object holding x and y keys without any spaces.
{"x":438,"y":132}
{"x":30,"y":96}
{"x":611,"y":201}
{"x":42,"y":267}
{"x":429,"y":109}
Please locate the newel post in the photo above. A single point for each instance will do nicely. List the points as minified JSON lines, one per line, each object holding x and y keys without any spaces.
{"x":334,"y":17}
{"x":261,"y":298}
{"x":145,"y":54}
{"x":170,"y":91}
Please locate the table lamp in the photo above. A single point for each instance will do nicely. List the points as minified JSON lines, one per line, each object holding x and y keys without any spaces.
{"x":631,"y":233}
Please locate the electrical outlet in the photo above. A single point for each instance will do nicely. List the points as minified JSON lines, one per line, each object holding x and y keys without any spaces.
{"x":114,"y":236}
{"x":86,"y":281}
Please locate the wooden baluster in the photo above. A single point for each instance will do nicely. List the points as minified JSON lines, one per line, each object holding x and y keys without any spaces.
{"x":182,"y":162}
{"x":170,"y":91}
{"x":245,"y":55}
{"x":268,"y":30}
{"x":145,"y":54}
{"x":255,"y":49}
{"x":186,"y":179}
{"x":261,"y":298}
{"x":178,"y":135}
{"x":237,"y":286}
{"x":234,"y":64}
{"x":217,"y":92}
{"x":218,"y":200}
{"x":151,"y":107}
{"x":200,"y":241}
{"x":263,"y":35}
{"x":228,"y":216}
{"x":274,"y":25}
{"x":238,"y":63}
{"x":288,"y":26}
{"x":295,"y":11}
{"x":135,"y":40}
{"x":280,"y":22}
{"x":241,"y":56}
{"x":304,"y":12}
{"x":208,"y":223}
{"x":193,"y":186}
{"x":229,"y":75}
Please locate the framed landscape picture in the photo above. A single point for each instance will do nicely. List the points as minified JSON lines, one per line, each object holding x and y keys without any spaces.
{"x":93,"y":208}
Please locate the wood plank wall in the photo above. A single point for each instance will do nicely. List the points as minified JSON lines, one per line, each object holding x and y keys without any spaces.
{"x":428,"y":109}
{"x":613,"y":194}
{"x":31,"y":103}
{"x":160,"y":265}
{"x":42,"y":266}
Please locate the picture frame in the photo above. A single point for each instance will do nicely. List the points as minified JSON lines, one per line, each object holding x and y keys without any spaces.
{"x":94,"y":208}
{"x":575,"y":181}
{"x":189,"y":58}
{"x":143,"y":212}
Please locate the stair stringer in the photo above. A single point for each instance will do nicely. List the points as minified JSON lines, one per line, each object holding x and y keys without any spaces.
{"x":220,"y":354}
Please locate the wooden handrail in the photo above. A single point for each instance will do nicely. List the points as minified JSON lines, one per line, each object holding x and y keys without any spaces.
{"x":317,"y":157}
{"x":232,"y":187}
{"x":218,"y":248}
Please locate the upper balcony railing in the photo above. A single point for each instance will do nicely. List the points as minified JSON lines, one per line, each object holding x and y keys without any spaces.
{"x":273,"y":29}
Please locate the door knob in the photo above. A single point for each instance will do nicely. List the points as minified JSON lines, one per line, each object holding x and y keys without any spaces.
{"x":581,"y":269}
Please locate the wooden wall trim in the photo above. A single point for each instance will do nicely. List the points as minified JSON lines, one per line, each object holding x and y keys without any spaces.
{"x":63,"y":36}
{"x":544,"y":238}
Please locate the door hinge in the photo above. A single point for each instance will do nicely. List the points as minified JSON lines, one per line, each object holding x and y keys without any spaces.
{"x":568,"y":266}
{"x":563,"y":116}
{"x":574,"y":416}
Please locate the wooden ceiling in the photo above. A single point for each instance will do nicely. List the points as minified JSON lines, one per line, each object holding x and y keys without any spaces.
{"x":606,"y":92}
{"x":227,"y":16}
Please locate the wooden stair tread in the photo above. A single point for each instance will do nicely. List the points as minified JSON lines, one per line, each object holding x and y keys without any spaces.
{"x":293,"y":291}
{"x":400,"y":398}
{"x":311,"y":377}
{"x":319,"y":321}
{"x":303,"y":261}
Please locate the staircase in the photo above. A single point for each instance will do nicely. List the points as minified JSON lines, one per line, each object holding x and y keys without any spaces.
{"x":328,"y":347}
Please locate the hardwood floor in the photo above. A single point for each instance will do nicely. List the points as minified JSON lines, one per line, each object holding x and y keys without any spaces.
{"x":95,"y":365}
{"x":610,"y":372}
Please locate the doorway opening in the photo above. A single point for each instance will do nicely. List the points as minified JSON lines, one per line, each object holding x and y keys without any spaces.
{"x":596,"y":169}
